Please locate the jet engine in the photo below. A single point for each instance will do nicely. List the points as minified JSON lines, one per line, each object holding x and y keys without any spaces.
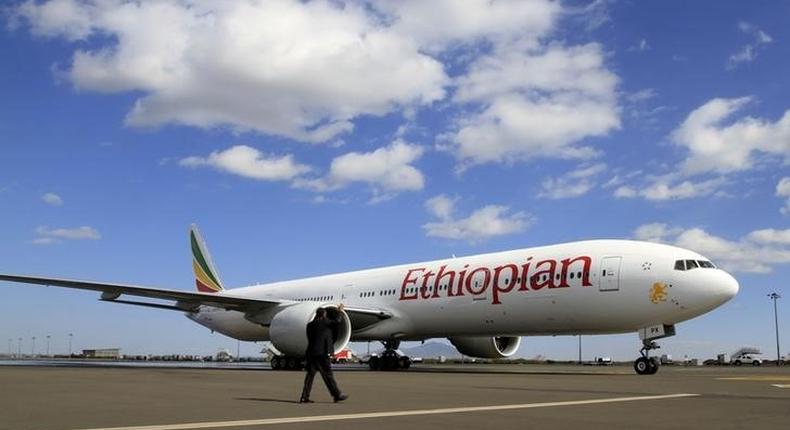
{"x":287,"y":330}
{"x":486,"y":347}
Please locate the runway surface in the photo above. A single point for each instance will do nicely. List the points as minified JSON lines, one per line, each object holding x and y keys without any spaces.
{"x":460,"y":396}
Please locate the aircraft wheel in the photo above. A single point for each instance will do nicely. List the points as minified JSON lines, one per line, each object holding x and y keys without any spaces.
{"x":642,"y":366}
{"x":374,"y":363}
{"x":276,"y":364}
{"x":292,"y":364}
{"x":654,"y":365}
{"x":405,"y":362}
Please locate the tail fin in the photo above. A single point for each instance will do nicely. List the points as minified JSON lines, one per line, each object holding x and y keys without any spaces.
{"x":206,"y":276}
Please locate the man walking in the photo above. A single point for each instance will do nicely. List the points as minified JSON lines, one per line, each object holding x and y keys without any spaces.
{"x":320,"y":341}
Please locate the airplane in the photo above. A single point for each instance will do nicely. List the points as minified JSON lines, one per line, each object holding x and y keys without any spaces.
{"x":483,"y":303}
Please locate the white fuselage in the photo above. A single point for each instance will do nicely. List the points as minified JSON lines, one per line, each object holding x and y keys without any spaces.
{"x":590,"y":287}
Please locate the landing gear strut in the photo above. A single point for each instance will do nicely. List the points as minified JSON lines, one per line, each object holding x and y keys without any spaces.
{"x":646,"y":365}
{"x":390,"y":359}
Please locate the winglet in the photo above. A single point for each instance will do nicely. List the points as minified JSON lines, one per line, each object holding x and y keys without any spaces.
{"x":206,"y":276}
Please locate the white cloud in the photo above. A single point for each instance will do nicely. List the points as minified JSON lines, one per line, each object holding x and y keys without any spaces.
{"x":783,"y":190}
{"x":748,"y":53}
{"x":716,"y":147}
{"x":52,"y":199}
{"x":534,"y":102}
{"x":208,"y":64}
{"x":483,"y":223}
{"x":641,"y":95}
{"x":573,"y":184}
{"x":664,"y":189}
{"x":45,"y":235}
{"x":769,"y":235}
{"x":642,"y":46}
{"x":249,"y":162}
{"x":441,"y":206}
{"x":387,"y":170}
{"x":758,"y":252}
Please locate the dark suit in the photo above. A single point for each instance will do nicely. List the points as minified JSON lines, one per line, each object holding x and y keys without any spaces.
{"x":320,"y":341}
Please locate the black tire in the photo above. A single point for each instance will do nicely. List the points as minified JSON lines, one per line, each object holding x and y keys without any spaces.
{"x":755,"y":363}
{"x":389,"y":362}
{"x":405,"y":362}
{"x":737,"y":362}
{"x":642,"y":366}
{"x":654,"y":365}
{"x":276,"y":364}
{"x":374,"y":363}
{"x":291,"y":363}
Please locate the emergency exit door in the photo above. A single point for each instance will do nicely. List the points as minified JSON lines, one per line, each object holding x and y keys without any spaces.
{"x":610,"y":274}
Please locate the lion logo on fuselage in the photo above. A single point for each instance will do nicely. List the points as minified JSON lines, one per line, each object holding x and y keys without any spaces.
{"x":658,"y":293}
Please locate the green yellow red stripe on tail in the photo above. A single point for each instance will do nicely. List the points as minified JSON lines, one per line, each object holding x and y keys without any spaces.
{"x":206,"y":277}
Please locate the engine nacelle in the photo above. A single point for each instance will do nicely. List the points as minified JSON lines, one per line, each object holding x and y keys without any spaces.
{"x":288,"y":328}
{"x":486,"y":347}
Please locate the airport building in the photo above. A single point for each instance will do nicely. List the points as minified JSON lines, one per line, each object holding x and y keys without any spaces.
{"x":112,"y":353}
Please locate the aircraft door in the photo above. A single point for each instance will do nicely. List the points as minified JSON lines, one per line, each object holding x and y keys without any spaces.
{"x":610,"y":274}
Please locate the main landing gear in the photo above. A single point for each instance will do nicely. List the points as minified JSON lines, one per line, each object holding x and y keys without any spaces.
{"x":390,"y":359}
{"x":647,"y":365}
{"x":282,"y":362}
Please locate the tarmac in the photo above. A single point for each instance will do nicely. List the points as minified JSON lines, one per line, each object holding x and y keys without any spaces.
{"x":468,"y":396}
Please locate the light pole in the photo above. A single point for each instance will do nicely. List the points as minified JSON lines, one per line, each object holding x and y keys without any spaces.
{"x":71,"y":335}
{"x":33,"y":348}
{"x":19,"y":348}
{"x":48,"y":336}
{"x":580,"y":349}
{"x":774,"y":296}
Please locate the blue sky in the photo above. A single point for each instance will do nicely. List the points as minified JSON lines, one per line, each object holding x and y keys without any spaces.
{"x":319,"y":137}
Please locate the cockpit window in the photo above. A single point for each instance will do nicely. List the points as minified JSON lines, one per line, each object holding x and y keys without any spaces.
{"x":693,"y":264}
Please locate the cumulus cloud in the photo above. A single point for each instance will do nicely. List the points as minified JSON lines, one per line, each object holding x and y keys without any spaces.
{"x":573,"y":184}
{"x":748,"y":52}
{"x":667,"y":189}
{"x":483,"y":223}
{"x":534,"y":102}
{"x":52,"y":199}
{"x":233,"y":64}
{"x":388,"y":170}
{"x":758,"y":252}
{"x":724,"y":148}
{"x":783,"y":190}
{"x":249,"y":162}
{"x":46,"y":236}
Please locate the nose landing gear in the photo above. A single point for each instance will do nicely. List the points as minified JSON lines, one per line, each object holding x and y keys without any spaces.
{"x":647,"y":365}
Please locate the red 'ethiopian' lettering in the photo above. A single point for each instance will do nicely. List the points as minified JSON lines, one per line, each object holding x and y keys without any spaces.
{"x":486,"y":279}
{"x":408,"y":280}
{"x":424,"y":283}
{"x":511,"y":281}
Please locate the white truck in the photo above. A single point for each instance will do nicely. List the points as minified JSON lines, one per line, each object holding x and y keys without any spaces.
{"x":746,"y":355}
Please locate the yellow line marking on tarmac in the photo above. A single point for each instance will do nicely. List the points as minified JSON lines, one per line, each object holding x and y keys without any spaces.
{"x":320,"y":418}
{"x":756,"y":378}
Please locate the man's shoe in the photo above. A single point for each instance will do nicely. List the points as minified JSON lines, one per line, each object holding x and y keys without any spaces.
{"x":341,"y":397}
{"x":303,"y":400}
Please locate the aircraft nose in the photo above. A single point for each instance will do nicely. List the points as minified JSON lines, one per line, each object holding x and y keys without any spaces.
{"x":727,"y":286}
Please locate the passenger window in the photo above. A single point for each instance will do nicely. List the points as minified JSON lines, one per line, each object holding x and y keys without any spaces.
{"x":691,"y":264}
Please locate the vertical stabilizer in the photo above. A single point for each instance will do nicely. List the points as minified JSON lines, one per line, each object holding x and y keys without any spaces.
{"x":206,"y":276}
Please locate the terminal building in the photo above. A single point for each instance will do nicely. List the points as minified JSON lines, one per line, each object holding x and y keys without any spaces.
{"x":111,"y":353}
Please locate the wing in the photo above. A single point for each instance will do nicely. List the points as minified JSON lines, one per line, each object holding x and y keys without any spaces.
{"x":185,"y":301}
